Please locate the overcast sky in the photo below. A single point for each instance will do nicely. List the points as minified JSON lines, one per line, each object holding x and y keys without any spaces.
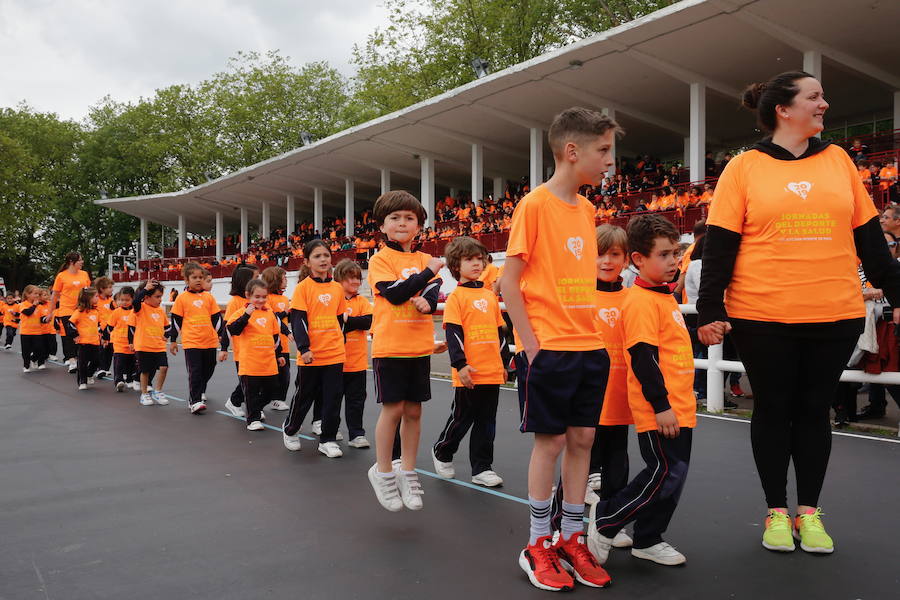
{"x":64,"y":55}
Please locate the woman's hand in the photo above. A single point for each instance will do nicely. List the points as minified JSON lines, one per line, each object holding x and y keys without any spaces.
{"x":713,"y":333}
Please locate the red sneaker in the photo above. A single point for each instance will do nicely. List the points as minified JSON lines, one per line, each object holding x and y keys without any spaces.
{"x":736,"y":390}
{"x":541,"y":563}
{"x":575,"y":556}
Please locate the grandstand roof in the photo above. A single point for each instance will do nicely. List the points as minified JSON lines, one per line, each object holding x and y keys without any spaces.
{"x":641,"y":69}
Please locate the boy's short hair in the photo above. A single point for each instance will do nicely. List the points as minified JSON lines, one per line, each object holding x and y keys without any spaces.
{"x":125,"y":291}
{"x":103,"y":282}
{"x":575,"y":124}
{"x":397,"y":200}
{"x":347,"y":269}
{"x":460,"y":248}
{"x":611,"y":236}
{"x":188,"y":268}
{"x":644,"y":229}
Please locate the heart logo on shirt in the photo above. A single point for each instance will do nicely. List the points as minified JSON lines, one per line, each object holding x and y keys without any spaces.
{"x":481,"y":304}
{"x":575,"y":245}
{"x":325,"y":299}
{"x":801,"y":188}
{"x":281,"y":306}
{"x":407,"y":273}
{"x":610,"y":316}
{"x":676,"y":315}
{"x":76,"y":282}
{"x":92,"y":317}
{"x":154,"y":316}
{"x":197,"y":303}
{"x":261,"y":321}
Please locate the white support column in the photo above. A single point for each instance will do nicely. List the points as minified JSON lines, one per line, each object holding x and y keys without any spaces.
{"x":611,"y":113}
{"x":454,"y":192}
{"x":220,"y":236}
{"x":428,"y":189}
{"x":244,"y":231}
{"x":498,"y":188}
{"x":536,"y":143}
{"x":291,"y":214}
{"x":896,"y":124}
{"x":182,"y":236}
{"x":385,"y":181}
{"x":265,"y":230}
{"x":349,"y":208}
{"x":687,"y":152}
{"x":812,"y":63}
{"x":477,"y":173}
{"x":698,"y":131}
{"x":318,"y":196}
{"x":142,"y":254}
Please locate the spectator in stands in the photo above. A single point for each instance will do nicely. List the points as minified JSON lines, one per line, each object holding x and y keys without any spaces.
{"x":890,"y":220}
{"x":888,"y":178}
{"x":858,"y":150}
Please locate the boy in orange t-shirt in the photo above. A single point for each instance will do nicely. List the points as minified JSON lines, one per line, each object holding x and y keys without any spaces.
{"x":11,"y":319}
{"x":660,"y":361}
{"x":549,"y":286}
{"x":357,"y":321}
{"x":124,"y":366}
{"x":475,"y":340}
{"x":31,"y":328}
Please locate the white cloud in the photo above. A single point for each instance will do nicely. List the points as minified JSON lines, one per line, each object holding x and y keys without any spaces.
{"x":63,"y":56}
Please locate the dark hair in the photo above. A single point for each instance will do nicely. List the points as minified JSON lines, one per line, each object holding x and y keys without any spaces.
{"x":397,"y":200}
{"x":125,"y":291}
{"x":311,"y":246}
{"x":188,"y":268}
{"x":272,"y":278}
{"x":460,"y":248}
{"x":253,"y":284}
{"x":70,"y":259}
{"x":239,"y":278}
{"x":156,"y":288}
{"x":697,"y":252}
{"x":303,"y":272}
{"x":764,"y":97}
{"x":346,"y":269}
{"x":575,"y":124}
{"x":84,"y":298}
{"x":644,"y":229}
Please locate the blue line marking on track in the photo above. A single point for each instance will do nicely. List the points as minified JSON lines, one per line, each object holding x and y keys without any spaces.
{"x":472,"y":486}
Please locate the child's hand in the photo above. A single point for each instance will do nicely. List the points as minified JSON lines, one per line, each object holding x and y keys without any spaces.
{"x":151,"y":284}
{"x":130,"y":347}
{"x":439,"y":347}
{"x":103,"y":343}
{"x":173,"y":348}
{"x":223,"y":354}
{"x":281,"y":361}
{"x":307,"y":357}
{"x":435,"y":264}
{"x":77,"y":340}
{"x":250,"y":309}
{"x":667,"y":424}
{"x":465,"y":376}
{"x":531,"y":353}
{"x":421,"y":304}
{"x":713,"y":333}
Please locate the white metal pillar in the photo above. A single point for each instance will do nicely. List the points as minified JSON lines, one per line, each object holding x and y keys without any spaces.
{"x":896,"y":124}
{"x":220,"y":236}
{"x":698,"y":132}
{"x":428,"y":189}
{"x":182,"y":236}
{"x":385,"y":181}
{"x":498,"y":188}
{"x":244,"y":231}
{"x":265,"y":230}
{"x":142,"y":254}
{"x":291,"y":215}
{"x":350,"y":226}
{"x":477,"y":173}
{"x":812,"y":63}
{"x":536,"y":143}
{"x":611,"y":173}
{"x":687,"y":152}
{"x":318,"y":196}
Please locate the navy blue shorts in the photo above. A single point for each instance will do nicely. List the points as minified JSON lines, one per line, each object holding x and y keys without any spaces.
{"x":561,"y":389}
{"x":402,"y":379}
{"x":149,"y":362}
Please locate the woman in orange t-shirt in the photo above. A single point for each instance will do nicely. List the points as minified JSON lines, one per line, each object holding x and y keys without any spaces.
{"x":795,"y":201}
{"x":69,"y":282}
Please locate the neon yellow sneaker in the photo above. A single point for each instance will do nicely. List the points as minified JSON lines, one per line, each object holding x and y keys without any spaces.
{"x":778,"y":535}
{"x":811,"y":532}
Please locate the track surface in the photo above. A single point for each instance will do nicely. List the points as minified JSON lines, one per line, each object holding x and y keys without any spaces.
{"x":103,"y":498}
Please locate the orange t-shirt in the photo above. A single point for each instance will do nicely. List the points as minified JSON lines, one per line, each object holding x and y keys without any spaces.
{"x":616,"y":410}
{"x":323,"y":303}
{"x":150,"y":329}
{"x":30,"y":325}
{"x":654,"y":318}
{"x":280,"y":304}
{"x":356,"y":346}
{"x":9,"y":315}
{"x":800,"y":216}
{"x":196,"y":311}
{"x":69,"y":286}
{"x":477,"y":311}
{"x":88,"y":324}
{"x":489,"y":275}
{"x":558,"y":244}
{"x":401,"y":330}
{"x":119,"y":320}
{"x":886,"y":175}
{"x":236,"y":303}
{"x":48,"y":328}
{"x":256,"y":355}
{"x":105,"y":306}
{"x":686,"y":258}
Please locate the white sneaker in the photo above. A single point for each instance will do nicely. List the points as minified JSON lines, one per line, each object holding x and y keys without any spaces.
{"x":386,"y":490}
{"x":339,"y":436}
{"x":598,"y":544}
{"x":203,"y":397}
{"x":622,"y":540}
{"x":136,"y":386}
{"x":487,"y":479}
{"x":41,"y":367}
{"x":359,"y":441}
{"x":590,"y":496}
{"x":8,"y":346}
{"x":159,"y":398}
{"x":291,"y":442}
{"x":317,"y":427}
{"x":120,"y":387}
{"x":91,"y":381}
{"x":395,"y":464}
{"x":100,"y":374}
{"x":254,"y":426}
{"x":237,"y":411}
{"x":661,"y":553}
{"x":82,"y":386}
{"x":53,"y":357}
{"x":594,"y":481}
{"x":410,"y":489}
{"x":26,"y":369}
{"x":262,"y":415}
{"x":146,"y":400}
{"x":199,"y":407}
{"x":73,"y":368}
{"x":280,"y":405}
{"x":331,"y":450}
{"x":444,"y":469}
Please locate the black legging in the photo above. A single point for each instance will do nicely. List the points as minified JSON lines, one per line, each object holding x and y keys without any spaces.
{"x":70,"y":349}
{"x":794,"y":380}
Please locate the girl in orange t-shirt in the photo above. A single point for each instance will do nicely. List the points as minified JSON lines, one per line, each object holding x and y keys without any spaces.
{"x":275,"y":279}
{"x":240,"y":277}
{"x":11,"y":319}
{"x":124,"y":365}
{"x":357,"y":321}
{"x":31,"y":329}
{"x":70,"y":280}
{"x":83,"y":327}
{"x":106,"y":304}
{"x":48,"y":327}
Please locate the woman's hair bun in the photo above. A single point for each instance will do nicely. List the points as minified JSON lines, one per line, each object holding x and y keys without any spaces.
{"x":752,"y":94}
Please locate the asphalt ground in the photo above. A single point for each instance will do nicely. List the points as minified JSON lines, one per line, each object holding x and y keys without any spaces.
{"x":103,"y":498}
